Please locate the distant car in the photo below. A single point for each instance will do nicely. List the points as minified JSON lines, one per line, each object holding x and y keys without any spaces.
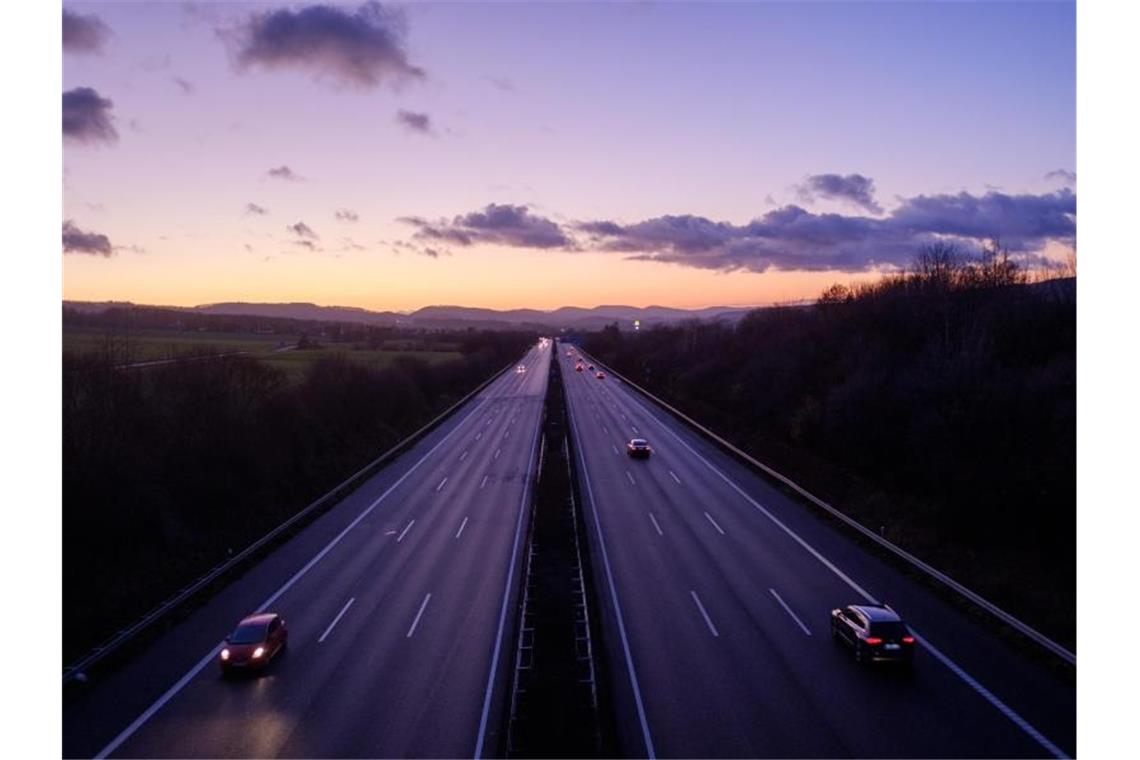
{"x":875,"y":633}
{"x":578,"y":367}
{"x":520,"y":369}
{"x":639,"y":447}
{"x":256,"y":641}
{"x":591,"y":367}
{"x":601,"y":375}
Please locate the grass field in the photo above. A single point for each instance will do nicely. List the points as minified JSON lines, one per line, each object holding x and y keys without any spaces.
{"x":151,"y":345}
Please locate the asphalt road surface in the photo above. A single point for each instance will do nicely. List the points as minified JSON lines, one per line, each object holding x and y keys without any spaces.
{"x":717,"y":590}
{"x":400,"y":608}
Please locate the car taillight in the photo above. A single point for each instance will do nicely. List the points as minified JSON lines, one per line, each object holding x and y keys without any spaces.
{"x":872,"y":641}
{"x":908,"y":639}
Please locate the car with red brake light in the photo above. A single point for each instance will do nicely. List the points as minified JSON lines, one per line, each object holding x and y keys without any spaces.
{"x":578,"y":367}
{"x":601,"y":375}
{"x":638,"y":447}
{"x":874,"y":632}
{"x":257,"y":640}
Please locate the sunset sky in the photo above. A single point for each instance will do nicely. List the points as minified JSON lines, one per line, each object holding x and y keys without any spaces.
{"x":511,"y":155}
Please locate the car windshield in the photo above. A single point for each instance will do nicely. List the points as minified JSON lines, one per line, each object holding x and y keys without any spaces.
{"x":248,"y":633}
{"x":892,"y":630}
{"x":638,"y":442}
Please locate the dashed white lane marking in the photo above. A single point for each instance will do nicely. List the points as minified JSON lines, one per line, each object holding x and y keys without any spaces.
{"x":479,"y":435}
{"x":497,"y":452}
{"x":674,"y":476}
{"x":615,"y":449}
{"x":463,"y":455}
{"x":462,"y":525}
{"x":655,"y":525}
{"x":632,"y":482}
{"x":418,"y":616}
{"x":705,"y":615}
{"x":389,"y":533}
{"x":788,"y":610}
{"x":336,"y":620}
{"x":441,"y":485}
{"x":404,"y":532}
{"x":605,"y":429}
{"x":714,"y":524}
{"x":484,"y":482}
{"x":634,"y":428}
{"x":506,"y":435}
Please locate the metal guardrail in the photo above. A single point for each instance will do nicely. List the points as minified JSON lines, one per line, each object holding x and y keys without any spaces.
{"x":125,"y":636}
{"x":1021,"y":627}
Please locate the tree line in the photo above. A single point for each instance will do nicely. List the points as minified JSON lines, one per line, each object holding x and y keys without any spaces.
{"x":169,"y":469}
{"x":936,"y":404}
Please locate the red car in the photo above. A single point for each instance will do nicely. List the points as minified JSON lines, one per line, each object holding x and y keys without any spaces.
{"x":256,"y":641}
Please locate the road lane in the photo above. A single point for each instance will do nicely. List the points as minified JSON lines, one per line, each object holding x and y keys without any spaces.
{"x":364,"y":687}
{"x":762,"y":687}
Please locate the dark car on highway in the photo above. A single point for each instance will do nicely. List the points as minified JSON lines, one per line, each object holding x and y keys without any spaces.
{"x":639,"y":447}
{"x":874,"y":632}
{"x":256,"y":641}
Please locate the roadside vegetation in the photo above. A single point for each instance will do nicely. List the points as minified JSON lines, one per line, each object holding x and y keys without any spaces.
{"x":169,"y":469}
{"x":937,"y":405}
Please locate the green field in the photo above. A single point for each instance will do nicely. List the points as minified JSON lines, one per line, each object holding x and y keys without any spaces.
{"x":151,"y":345}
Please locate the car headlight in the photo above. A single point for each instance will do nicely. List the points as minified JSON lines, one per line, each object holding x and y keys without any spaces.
{"x":225,"y":654}
{"x":258,"y":652}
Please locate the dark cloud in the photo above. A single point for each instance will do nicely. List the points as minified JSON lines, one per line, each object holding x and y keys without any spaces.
{"x":347,"y":215}
{"x":76,"y":240}
{"x":362,"y":47}
{"x":416,"y":122}
{"x":1064,"y":176}
{"x":253,"y":208}
{"x":792,"y":238}
{"x":87,"y":116}
{"x":499,"y":224}
{"x":302,"y":230}
{"x":184,"y":85}
{"x":306,"y":244}
{"x":501,"y":83}
{"x":83,"y":33}
{"x":853,"y":188}
{"x":285,"y":173}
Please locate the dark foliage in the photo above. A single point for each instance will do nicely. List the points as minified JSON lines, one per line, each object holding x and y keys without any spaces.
{"x":169,"y":469}
{"x":939,"y":405}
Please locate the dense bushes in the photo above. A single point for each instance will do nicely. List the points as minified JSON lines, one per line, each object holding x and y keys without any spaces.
{"x":168,"y":469}
{"x":939,"y":404}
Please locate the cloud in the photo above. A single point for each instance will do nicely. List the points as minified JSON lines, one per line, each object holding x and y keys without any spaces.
{"x":184,"y":85}
{"x":302,"y":230}
{"x":501,"y":83}
{"x":285,"y":173}
{"x":498,"y":224}
{"x":1064,"y":176}
{"x":362,"y":47}
{"x":87,"y":116}
{"x":76,"y":240}
{"x":416,"y":122}
{"x":853,"y":188}
{"x":347,"y":215}
{"x":791,"y":238}
{"x":253,"y":208}
{"x":307,"y":244}
{"x":83,"y":33}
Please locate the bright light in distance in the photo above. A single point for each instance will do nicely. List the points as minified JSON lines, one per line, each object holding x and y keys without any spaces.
{"x":258,"y":652}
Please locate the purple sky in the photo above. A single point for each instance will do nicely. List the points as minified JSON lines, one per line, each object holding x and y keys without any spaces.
{"x":538,"y":155}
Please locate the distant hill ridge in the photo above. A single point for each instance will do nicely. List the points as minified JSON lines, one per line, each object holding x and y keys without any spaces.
{"x":572,"y":317}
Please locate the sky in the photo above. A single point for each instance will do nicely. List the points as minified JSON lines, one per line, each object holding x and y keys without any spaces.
{"x":539,"y":155}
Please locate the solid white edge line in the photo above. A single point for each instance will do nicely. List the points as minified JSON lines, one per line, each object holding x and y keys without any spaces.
{"x":170,"y":693}
{"x":404,"y":532}
{"x":788,"y":610}
{"x":645,"y":735}
{"x":507,"y":593}
{"x":705,"y":615}
{"x":655,"y":525}
{"x":985,"y":693}
{"x":336,"y":620}
{"x":719,"y":529}
{"x":462,"y":525}
{"x":419,"y":614}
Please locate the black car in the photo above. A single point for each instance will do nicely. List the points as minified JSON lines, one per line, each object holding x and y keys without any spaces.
{"x":875,"y":632}
{"x":638,"y":447}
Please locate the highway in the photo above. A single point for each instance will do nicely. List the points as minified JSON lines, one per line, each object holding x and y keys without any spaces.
{"x":400,"y":605}
{"x":716,"y":590}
